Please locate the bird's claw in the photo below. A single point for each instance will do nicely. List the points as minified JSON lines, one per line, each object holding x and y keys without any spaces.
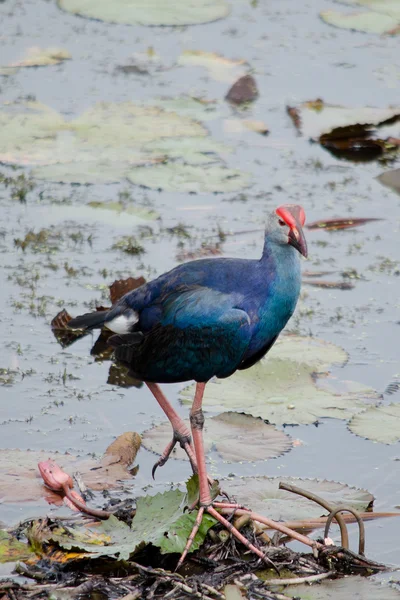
{"x":185,"y":443}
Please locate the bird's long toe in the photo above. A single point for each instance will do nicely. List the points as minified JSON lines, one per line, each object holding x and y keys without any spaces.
{"x":211,"y":509}
{"x":185,"y":443}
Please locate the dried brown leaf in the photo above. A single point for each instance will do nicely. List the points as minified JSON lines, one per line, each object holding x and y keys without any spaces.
{"x":243,"y":90}
{"x":340,"y":223}
{"x":123,"y":286}
{"x":123,"y":450}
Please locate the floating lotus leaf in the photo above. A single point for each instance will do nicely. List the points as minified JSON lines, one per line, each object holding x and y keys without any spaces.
{"x":262,"y":495}
{"x":367,"y":22}
{"x":284,"y":389}
{"x":107,"y":142}
{"x":235,"y":436}
{"x":149,"y":12}
{"x":348,"y":588}
{"x":387,"y":7}
{"x":204,"y":151}
{"x":378,"y":423}
{"x":176,"y":177}
{"x":20,"y":480}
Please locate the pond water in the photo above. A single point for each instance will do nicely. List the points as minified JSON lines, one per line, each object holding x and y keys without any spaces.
{"x":59,"y":399}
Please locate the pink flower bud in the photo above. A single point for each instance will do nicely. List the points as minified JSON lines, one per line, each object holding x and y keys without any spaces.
{"x":53,"y":476}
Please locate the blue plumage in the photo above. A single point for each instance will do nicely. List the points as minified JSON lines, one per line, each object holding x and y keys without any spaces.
{"x":208,"y":317}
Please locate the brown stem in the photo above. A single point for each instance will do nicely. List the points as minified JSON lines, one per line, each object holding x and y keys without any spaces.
{"x":274,"y":525}
{"x":93,"y":512}
{"x":299,"y":580}
{"x":361,"y":528}
{"x":314,"y":498}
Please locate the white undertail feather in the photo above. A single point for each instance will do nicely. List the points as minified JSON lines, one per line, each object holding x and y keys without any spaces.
{"x":123,"y":323}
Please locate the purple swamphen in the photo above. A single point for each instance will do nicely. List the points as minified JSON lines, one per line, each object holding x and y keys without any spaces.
{"x":207,"y":318}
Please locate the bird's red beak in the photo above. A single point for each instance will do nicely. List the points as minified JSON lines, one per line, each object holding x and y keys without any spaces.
{"x":294,"y":217}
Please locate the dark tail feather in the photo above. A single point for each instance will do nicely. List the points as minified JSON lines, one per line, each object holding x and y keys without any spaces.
{"x":127,"y":339}
{"x":93,"y":320}
{"x":126,"y":347}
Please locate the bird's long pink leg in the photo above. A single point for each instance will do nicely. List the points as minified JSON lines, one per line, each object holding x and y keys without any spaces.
{"x":206,"y":503}
{"x":181,"y":433}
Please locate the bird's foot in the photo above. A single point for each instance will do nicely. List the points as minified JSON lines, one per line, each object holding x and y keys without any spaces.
{"x":211,"y":509}
{"x":185,"y":442}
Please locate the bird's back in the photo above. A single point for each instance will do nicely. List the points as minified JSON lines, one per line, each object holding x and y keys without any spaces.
{"x":206,"y":318}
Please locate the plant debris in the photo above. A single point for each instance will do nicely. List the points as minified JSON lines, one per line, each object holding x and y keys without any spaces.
{"x":350,"y":133}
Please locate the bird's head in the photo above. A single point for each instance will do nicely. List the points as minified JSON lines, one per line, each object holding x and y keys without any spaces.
{"x":285,"y":226}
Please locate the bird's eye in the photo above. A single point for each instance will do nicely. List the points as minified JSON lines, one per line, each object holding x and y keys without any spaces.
{"x":281,"y":223}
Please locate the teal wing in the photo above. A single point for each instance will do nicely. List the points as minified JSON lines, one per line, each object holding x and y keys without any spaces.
{"x":200,"y":333}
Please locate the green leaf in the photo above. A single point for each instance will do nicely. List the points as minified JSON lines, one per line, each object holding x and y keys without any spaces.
{"x":236,"y":437}
{"x":284,"y":389}
{"x":378,"y":423}
{"x":11,"y":550}
{"x":159,"y":520}
{"x":171,"y":534}
{"x":262,"y":495}
{"x":174,"y":177}
{"x":149,"y":12}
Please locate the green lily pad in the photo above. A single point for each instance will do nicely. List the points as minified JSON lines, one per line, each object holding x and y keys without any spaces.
{"x":205,"y":151}
{"x":159,"y":520}
{"x":107,"y":142}
{"x":367,"y":22}
{"x":262,"y":495}
{"x":378,"y":423}
{"x":149,"y":12}
{"x":11,"y":550}
{"x":284,"y":387}
{"x":235,"y":436}
{"x":176,"y":177}
{"x":354,"y":588}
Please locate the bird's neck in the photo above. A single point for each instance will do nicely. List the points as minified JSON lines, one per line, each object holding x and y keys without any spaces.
{"x":282,"y":263}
